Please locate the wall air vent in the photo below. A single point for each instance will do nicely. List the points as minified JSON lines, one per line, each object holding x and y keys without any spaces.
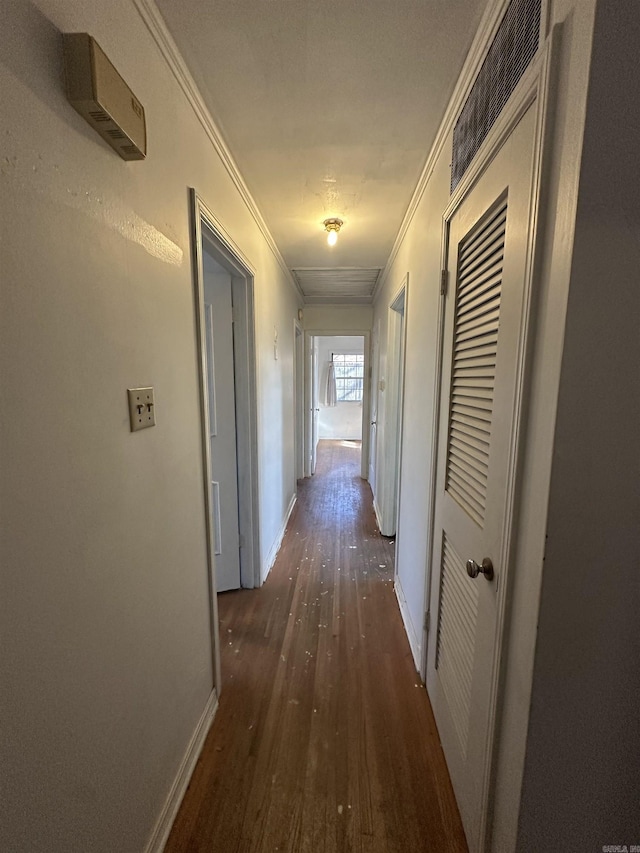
{"x":513,"y":47}
{"x":100,"y":95}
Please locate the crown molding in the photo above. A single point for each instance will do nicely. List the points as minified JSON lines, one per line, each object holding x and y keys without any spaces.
{"x":156,"y":25}
{"x":482,"y":40}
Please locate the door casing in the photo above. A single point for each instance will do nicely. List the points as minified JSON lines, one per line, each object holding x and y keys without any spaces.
{"x":387,"y":501}
{"x":310,"y":334}
{"x":205,"y":226}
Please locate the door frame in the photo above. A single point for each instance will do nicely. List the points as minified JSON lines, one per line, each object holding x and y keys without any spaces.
{"x":533,"y":91}
{"x":298,"y":402}
{"x":374,"y":379}
{"x":205,"y":227}
{"x":393,"y":411}
{"x":309,"y":334}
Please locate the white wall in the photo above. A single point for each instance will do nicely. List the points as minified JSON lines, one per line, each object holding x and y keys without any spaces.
{"x":584,"y":740}
{"x":337,"y":318}
{"x":418,"y":252}
{"x":105,"y":617}
{"x":344,"y":420}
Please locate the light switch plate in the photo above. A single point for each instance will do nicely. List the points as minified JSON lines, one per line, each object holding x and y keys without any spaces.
{"x":142,"y":408}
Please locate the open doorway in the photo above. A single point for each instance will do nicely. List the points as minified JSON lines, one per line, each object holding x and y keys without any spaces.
{"x":392,"y":400}
{"x":223,"y":302}
{"x":338,"y":373}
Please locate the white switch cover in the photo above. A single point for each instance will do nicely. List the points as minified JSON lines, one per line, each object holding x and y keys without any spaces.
{"x":142,"y":408}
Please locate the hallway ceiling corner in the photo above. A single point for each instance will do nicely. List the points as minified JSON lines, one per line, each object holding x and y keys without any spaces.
{"x":329,"y":110}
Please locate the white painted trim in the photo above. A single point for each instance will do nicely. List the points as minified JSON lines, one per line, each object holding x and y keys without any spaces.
{"x":242,"y":283}
{"x":205,"y":426}
{"x":298,"y":397}
{"x":156,"y":25}
{"x":484,"y":36}
{"x":366,"y":395}
{"x":412,"y":634}
{"x":388,"y":487}
{"x":275,"y":548}
{"x":172,"y":804}
{"x":308,"y":403}
{"x":435,"y":437}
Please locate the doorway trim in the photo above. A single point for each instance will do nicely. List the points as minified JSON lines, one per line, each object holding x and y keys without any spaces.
{"x":298,"y":401}
{"x":393,"y":410}
{"x":205,"y":227}
{"x":533,"y":91}
{"x":309,"y":334}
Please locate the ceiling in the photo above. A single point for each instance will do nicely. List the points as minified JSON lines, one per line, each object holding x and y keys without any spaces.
{"x":329,"y":109}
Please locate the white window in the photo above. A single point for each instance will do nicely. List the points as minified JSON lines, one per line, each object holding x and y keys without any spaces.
{"x":349,"y":373}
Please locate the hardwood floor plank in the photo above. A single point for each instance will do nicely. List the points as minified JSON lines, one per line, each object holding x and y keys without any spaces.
{"x":324,"y":741}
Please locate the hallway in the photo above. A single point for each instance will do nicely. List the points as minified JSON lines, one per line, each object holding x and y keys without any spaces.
{"x":324,"y":740}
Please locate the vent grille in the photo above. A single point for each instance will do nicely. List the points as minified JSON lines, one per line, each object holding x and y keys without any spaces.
{"x":331,"y":284}
{"x":458,"y":614}
{"x":475,"y":342}
{"x":99,"y":115}
{"x":514,"y":46}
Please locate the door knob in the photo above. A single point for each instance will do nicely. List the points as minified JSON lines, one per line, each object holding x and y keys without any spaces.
{"x":473,"y":569}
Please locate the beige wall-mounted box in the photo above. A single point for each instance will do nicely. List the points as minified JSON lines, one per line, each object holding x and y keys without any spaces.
{"x":100,"y":95}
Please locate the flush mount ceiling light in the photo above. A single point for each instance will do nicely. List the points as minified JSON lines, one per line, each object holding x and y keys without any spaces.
{"x":332,"y":226}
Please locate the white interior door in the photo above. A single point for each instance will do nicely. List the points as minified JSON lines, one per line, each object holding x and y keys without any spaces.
{"x":218,"y":313}
{"x":315,"y":403}
{"x":484,"y":324}
{"x":299,"y":402}
{"x":392,"y":435}
{"x":373,"y":425}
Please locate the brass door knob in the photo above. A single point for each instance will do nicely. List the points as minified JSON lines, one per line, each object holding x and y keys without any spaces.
{"x":486,"y":569}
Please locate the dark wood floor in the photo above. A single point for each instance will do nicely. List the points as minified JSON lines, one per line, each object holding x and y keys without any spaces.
{"x":324,"y":741}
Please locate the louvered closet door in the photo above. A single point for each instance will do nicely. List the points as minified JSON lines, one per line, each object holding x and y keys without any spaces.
{"x":482,"y":335}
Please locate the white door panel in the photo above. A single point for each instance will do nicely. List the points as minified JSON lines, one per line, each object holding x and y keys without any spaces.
{"x":478,"y":417}
{"x":373,"y":426}
{"x":222,"y":417}
{"x":315,"y":403}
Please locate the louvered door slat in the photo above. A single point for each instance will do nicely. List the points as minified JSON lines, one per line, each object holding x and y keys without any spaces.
{"x":480,"y":250}
{"x":478,"y":445}
{"x":473,"y":344}
{"x":462,"y":490}
{"x":461,"y":615}
{"x":480,"y":293}
{"x":478,"y":395}
{"x":457,"y":618}
{"x":472,"y":371}
{"x":467,"y":475}
{"x":474,"y":417}
{"x":478,"y":263}
{"x":483,"y":307}
{"x":485,"y":326}
{"x":463,"y":444}
{"x":474,"y":241}
{"x":475,"y":339}
{"x":472,"y":361}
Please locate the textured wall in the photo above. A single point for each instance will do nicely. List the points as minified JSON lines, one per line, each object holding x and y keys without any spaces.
{"x":105,"y":616}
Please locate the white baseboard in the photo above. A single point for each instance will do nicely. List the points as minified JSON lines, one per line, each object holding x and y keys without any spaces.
{"x":168,"y":815}
{"x":273,"y":553}
{"x":412,"y":634}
